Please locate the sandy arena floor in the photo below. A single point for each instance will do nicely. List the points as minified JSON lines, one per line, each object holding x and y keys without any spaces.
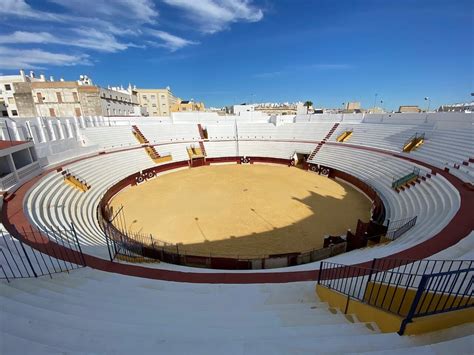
{"x":242,"y":210}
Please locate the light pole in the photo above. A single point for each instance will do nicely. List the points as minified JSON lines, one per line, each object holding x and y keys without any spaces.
{"x":429,"y":103}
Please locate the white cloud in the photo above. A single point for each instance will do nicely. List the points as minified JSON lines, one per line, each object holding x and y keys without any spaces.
{"x":28,"y":37}
{"x":106,"y":26}
{"x":216,"y":15}
{"x":98,"y":40}
{"x":142,"y":11}
{"x":82,"y":37}
{"x":170,"y":41}
{"x":12,"y":58}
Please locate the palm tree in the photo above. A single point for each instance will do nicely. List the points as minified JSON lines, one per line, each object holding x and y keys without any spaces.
{"x":308,"y":104}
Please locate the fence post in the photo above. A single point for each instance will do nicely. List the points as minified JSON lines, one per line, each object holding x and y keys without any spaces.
{"x":107,"y":241}
{"x":320,"y":272}
{"x":372,"y":266}
{"x":78,"y":244}
{"x":414,"y":305}
{"x":27,"y":258}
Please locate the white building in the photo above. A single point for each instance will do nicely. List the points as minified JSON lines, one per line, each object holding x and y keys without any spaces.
{"x":16,"y":84}
{"x":117,"y":101}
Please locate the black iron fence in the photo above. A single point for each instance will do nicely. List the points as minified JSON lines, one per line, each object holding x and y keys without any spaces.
{"x":406,"y":288}
{"x":21,"y":260}
{"x":123,"y":243}
{"x":398,"y":228}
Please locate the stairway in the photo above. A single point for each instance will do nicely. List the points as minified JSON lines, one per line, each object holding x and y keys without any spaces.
{"x":155,"y":156}
{"x":202,"y":132}
{"x":344,"y":136}
{"x":203,"y":149}
{"x":68,"y":314}
{"x":414,"y":142}
{"x":320,"y":144}
{"x":75,"y":181}
{"x":139,"y":135}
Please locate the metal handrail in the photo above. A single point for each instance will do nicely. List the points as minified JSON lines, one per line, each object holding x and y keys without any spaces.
{"x":417,"y":287}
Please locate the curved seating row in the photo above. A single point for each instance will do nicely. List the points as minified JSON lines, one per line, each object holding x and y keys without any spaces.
{"x":54,"y":204}
{"x":91,"y":311}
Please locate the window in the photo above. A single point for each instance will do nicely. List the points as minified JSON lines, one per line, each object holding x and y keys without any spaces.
{"x":8,"y":87}
{"x":76,"y":99}
{"x":60,"y":98}
{"x":77,"y":111}
{"x":40,"y":98}
{"x":52,"y":113}
{"x":5,"y":113}
{"x":14,"y":113}
{"x":153,"y":105}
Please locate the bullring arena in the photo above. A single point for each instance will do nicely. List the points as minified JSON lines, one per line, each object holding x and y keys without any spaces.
{"x":195,"y":232}
{"x":243,"y":210}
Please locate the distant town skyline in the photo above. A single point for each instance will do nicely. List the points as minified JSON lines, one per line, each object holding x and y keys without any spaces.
{"x":229,"y":52}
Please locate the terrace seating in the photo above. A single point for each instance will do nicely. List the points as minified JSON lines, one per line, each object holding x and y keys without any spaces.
{"x":287,"y":131}
{"x":434,"y":202}
{"x":56,"y":315}
{"x":165,"y":132}
{"x":429,"y":200}
{"x":109,"y":138}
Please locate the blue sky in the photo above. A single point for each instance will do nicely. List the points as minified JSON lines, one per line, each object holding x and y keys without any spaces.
{"x":232,"y":51}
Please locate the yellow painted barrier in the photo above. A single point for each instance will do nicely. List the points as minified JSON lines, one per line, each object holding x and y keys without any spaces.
{"x":389,"y":322}
{"x":76,"y":183}
{"x":413,"y":144}
{"x":344,"y":136}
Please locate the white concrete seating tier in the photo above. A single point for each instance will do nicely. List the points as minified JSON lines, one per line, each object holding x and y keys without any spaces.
{"x":221,"y":149}
{"x":447,"y":148}
{"x":90,"y":311}
{"x":284,"y":150}
{"x":287,"y":131}
{"x":109,"y":137}
{"x":379,"y":135}
{"x":434,"y":201}
{"x":54,"y":204}
{"x":222,"y":131}
{"x":442,"y":147}
{"x":166,"y":132}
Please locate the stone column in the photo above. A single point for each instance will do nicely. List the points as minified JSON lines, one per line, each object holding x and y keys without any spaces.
{"x":68,"y":129}
{"x":60,"y":129}
{"x":52,"y":134}
{"x":15,"y":133}
{"x":39,"y":125}
{"x":75,"y":124}
{"x":81,"y":122}
{"x":30,"y":131}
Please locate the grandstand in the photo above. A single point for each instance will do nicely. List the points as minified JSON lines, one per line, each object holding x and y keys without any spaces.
{"x":75,"y":279}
